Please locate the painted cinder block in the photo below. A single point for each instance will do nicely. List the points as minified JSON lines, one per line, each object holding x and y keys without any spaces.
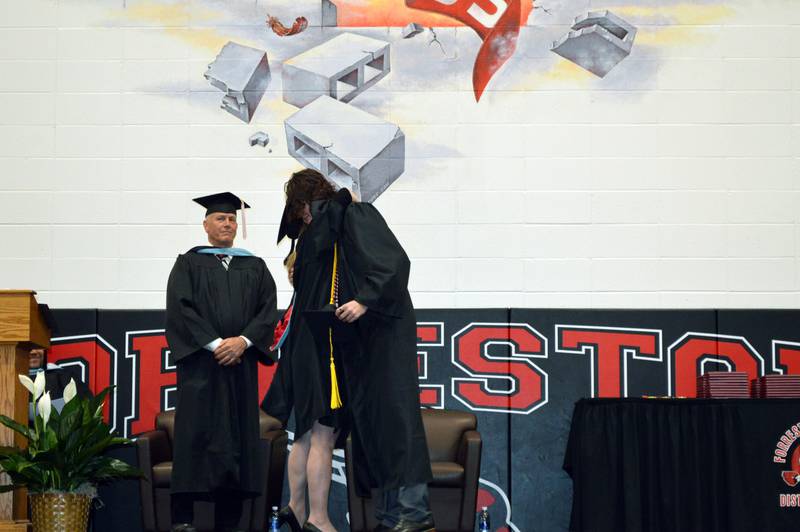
{"x":260,"y":138}
{"x":598,"y":41}
{"x":412,"y":29}
{"x":242,"y":73}
{"x":350,"y":147}
{"x":341,"y":68}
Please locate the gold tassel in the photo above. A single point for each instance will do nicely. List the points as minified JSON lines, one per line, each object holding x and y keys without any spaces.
{"x":336,"y":400}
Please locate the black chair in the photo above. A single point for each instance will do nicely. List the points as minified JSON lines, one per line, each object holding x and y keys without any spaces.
{"x":154,"y":450}
{"x":454,"y":445}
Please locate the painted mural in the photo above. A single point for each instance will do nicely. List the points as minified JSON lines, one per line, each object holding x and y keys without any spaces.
{"x":349,"y":80}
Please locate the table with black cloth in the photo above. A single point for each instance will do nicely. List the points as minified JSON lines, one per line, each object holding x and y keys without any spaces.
{"x":681,"y":465}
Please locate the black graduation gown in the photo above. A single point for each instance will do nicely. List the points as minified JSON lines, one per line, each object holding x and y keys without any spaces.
{"x":217,"y":419}
{"x":303,"y":379}
{"x":378,"y":371}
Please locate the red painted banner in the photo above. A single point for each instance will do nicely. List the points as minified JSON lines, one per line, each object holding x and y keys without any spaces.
{"x":495,"y":21}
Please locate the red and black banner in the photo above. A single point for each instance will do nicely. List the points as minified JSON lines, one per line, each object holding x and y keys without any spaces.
{"x":520,"y":370}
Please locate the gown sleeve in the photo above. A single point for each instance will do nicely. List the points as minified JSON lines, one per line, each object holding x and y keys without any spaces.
{"x":261,"y":328}
{"x":378,"y":263}
{"x":186,"y":330}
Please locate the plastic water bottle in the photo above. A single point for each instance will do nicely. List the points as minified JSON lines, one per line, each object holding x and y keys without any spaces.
{"x":274,"y":520}
{"x":483,"y":520}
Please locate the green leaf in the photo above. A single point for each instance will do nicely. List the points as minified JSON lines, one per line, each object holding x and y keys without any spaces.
{"x":72,"y":406}
{"x":16,"y":427}
{"x":97,"y":401}
{"x":68,"y":452}
{"x":69,"y":423}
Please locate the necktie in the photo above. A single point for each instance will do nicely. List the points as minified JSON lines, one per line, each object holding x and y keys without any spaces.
{"x":224,"y":259}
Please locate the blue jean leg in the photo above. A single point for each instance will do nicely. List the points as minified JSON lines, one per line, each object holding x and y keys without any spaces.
{"x":407,"y":502}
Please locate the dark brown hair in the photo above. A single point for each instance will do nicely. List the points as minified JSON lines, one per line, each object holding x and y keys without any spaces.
{"x":306,"y":186}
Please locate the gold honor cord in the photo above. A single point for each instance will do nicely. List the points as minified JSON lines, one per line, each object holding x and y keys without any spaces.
{"x":336,"y":400}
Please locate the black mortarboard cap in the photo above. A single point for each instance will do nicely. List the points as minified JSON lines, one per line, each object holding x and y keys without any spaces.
{"x":319,"y":321}
{"x":287,"y":227}
{"x":222,"y":202}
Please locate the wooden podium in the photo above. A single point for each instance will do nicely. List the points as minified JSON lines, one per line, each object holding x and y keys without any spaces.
{"x":22,"y":327}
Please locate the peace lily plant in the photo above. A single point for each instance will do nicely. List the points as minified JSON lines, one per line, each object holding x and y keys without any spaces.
{"x":65,"y":451}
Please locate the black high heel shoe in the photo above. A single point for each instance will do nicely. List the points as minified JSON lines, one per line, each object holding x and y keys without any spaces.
{"x":286,"y":516}
{"x":309,"y":527}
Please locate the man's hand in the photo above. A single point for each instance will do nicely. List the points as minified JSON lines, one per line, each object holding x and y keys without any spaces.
{"x":229,"y":352}
{"x":350,"y":311}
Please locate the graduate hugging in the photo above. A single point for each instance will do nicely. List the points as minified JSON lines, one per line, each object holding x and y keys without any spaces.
{"x":347,"y":362}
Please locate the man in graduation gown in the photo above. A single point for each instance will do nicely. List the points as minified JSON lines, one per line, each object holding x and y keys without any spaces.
{"x":377,"y":358}
{"x":221,"y":312}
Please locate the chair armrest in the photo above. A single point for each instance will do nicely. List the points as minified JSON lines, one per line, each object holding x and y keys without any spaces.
{"x":151,"y":448}
{"x":469,"y":456}
{"x":278,"y":441}
{"x":469,"y":447}
{"x":272,"y":447}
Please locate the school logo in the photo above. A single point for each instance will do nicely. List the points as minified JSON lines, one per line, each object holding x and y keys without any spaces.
{"x":792,"y":476}
{"x":788,"y":453}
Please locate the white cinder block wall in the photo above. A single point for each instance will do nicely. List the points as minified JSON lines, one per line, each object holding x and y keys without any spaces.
{"x":673,"y":182}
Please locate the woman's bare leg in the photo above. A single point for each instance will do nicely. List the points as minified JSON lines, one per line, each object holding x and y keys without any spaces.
{"x":298,"y":462}
{"x":319,"y":475}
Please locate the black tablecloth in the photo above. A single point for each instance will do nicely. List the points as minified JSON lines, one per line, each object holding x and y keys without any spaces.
{"x":682,"y":465}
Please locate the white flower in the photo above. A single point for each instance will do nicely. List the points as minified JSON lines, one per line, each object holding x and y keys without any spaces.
{"x":26,"y":382}
{"x":44,"y":408}
{"x":38,"y":385}
{"x":70,"y":391}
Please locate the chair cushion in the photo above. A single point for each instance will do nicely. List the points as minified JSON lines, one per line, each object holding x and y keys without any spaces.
{"x":448,"y":474}
{"x":162,"y":473}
